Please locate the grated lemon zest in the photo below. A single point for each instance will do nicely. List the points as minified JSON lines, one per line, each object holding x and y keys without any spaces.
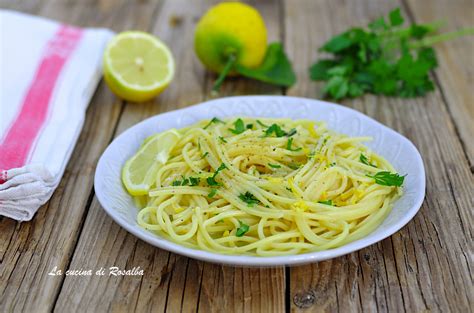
{"x":292,"y":187}
{"x":311,"y":130}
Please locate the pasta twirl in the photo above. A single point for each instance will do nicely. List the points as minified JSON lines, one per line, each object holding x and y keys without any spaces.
{"x":268,"y":187}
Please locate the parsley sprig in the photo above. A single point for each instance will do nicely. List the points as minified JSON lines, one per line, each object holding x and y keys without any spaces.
{"x":386,"y":178}
{"x":383,"y":59}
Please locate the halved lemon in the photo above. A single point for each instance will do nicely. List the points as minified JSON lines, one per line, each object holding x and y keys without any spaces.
{"x":139,"y":172}
{"x":137,"y":66}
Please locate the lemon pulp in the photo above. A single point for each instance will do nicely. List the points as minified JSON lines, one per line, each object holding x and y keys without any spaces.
{"x":140,"y":170}
{"x":137,"y":66}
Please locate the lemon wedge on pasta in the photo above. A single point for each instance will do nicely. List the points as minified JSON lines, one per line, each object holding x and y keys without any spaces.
{"x":139,"y":171}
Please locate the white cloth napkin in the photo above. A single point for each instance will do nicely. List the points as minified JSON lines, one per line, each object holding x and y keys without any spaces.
{"x":48,"y":74}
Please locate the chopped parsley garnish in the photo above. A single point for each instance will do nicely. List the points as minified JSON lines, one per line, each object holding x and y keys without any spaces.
{"x":289,"y":143}
{"x":249,"y":126}
{"x":386,"y":178}
{"x":222,"y":139}
{"x":274,"y":165}
{"x":194,"y":181}
{"x":327,"y":202}
{"x":220,"y":168}
{"x":212,"y":193}
{"x":261,"y":124}
{"x":274,"y":128}
{"x":332,"y":164}
{"x":211,"y":181}
{"x":214,"y":120}
{"x":248,"y":198}
{"x":205,"y":154}
{"x":363,"y":159}
{"x":239,"y":127}
{"x":244,"y":228}
{"x":191,"y":181}
{"x":291,"y":132}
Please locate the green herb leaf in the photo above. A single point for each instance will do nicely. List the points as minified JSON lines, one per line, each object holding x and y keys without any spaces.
{"x":382,"y":59}
{"x":214,"y":120}
{"x":249,"y":126}
{"x":395,"y":17}
{"x":327,"y":202}
{"x":194,"y":181}
{"x":276,"y":129}
{"x":212,"y":193}
{"x":249,"y":198}
{"x":319,"y":70}
{"x":275,"y":69}
{"x":220,"y":168}
{"x":205,"y":154}
{"x":386,"y":178}
{"x":337,"y":43}
{"x":289,"y":143}
{"x":242,"y":230}
{"x":239,"y":127}
{"x":274,"y":165}
{"x":191,"y":181}
{"x":363,"y":159}
{"x":211,"y":181}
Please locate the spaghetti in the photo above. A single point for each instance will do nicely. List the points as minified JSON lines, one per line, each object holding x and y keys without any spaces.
{"x":268,"y":187}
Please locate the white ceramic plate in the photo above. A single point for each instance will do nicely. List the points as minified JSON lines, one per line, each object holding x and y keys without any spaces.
{"x":394,"y":147}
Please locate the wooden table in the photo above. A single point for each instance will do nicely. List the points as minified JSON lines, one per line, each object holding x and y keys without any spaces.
{"x":427,"y":266}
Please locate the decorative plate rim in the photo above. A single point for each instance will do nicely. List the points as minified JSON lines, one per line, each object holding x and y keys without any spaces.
{"x":246,"y":260}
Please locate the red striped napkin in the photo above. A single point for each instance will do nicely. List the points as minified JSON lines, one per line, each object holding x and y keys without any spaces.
{"x":48,"y":73}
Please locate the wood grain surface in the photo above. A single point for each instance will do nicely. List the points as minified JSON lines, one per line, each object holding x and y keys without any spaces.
{"x":425,"y":267}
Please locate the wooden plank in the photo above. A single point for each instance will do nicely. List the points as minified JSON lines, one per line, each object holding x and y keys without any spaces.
{"x":97,"y":248}
{"x":34,"y":248}
{"x":456,"y":62}
{"x":171,"y":282}
{"x":24,"y":6}
{"x":244,"y":289}
{"x":426,"y":265}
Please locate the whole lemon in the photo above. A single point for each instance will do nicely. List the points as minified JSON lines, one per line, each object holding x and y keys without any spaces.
{"x":230,"y":30}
